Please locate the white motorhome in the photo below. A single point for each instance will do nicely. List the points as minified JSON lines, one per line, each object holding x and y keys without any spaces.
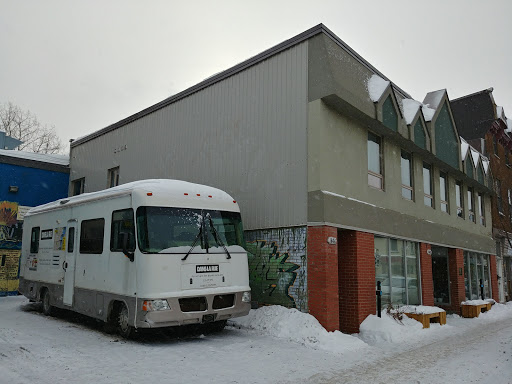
{"x":147,"y":254}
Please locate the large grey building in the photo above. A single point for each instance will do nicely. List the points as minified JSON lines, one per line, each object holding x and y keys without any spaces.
{"x":342,"y":178}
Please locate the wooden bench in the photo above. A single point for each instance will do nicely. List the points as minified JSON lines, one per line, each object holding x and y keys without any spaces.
{"x":427,"y":318}
{"x":469,"y":310}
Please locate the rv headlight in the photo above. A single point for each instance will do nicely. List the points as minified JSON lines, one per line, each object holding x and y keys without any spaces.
{"x":155,"y":305}
{"x":246,"y":297}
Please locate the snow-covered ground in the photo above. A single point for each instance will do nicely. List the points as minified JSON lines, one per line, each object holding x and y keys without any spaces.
{"x":270,"y":345}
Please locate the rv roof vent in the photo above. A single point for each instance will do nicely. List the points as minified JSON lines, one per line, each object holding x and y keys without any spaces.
{"x":64,"y":201}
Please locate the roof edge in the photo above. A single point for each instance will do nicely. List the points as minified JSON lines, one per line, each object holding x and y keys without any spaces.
{"x":301,"y":37}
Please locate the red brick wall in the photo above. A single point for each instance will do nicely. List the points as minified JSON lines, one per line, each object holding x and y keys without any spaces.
{"x":427,"y":282}
{"x":323,"y":300}
{"x":357,"y":278}
{"x":457,"y":289}
{"x":494,"y":278}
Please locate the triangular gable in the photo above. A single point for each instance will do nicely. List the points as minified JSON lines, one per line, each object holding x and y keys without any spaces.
{"x":485,"y":163}
{"x":464,"y":147}
{"x":376,"y":87}
{"x":469,"y":167}
{"x":443,"y":131}
{"x":475,"y":155}
{"x":388,"y":110}
{"x":417,"y":123}
{"x":410,"y":109}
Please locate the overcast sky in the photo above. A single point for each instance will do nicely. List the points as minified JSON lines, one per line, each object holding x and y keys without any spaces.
{"x":82,"y":66}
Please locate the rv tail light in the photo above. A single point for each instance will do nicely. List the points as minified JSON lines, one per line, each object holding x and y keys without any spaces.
{"x":155,"y":305}
{"x":209,"y":196}
{"x":234,"y":201}
{"x":186,"y":194}
{"x":150,"y":194}
{"x":198,"y":194}
{"x":246,"y":297}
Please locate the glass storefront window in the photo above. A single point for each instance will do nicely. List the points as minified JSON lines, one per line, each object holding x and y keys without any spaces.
{"x":473,"y":276}
{"x":382,"y":268}
{"x":485,"y":264}
{"x":466,"y":276}
{"x":476,"y":267}
{"x":396,"y":267}
{"x":412,"y":273}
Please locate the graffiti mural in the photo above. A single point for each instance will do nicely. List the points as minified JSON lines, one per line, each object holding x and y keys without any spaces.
{"x":10,"y":228}
{"x":278,"y":267}
{"x":9,"y":272}
{"x":10,"y":245}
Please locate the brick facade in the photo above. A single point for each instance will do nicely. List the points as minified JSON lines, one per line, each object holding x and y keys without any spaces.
{"x":357,"y":278}
{"x":427,"y":282}
{"x":323,"y":299}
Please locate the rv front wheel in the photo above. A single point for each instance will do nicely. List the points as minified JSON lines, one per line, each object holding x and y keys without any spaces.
{"x":123,"y":328}
{"x":47,"y":307}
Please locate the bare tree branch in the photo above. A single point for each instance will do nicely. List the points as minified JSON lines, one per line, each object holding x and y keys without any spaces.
{"x":24,"y":126}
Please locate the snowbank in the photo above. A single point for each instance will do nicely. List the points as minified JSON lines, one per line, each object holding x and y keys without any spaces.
{"x":299,"y":327}
{"x":375,"y":330}
{"x":420,"y":309}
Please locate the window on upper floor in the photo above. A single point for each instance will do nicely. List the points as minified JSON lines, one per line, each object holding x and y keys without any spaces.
{"x":389,"y":114}
{"x":459,"y":199}
{"x":481,"y":210}
{"x":499,"y":201}
{"x":419,"y":135}
{"x":471,"y":205}
{"x":469,"y":166}
{"x":407,"y":191}
{"x":375,"y":176}
{"x":480,"y":174}
{"x":113,"y":177}
{"x":427,"y":185}
{"x":495,"y":145}
{"x":77,"y":186}
{"x":510,"y":205}
{"x":443,"y":188}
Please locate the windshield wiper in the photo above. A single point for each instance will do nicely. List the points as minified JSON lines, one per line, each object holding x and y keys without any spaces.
{"x":194,"y":243}
{"x":217,"y":238}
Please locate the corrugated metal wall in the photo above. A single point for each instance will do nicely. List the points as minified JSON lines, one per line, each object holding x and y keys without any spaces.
{"x":245,"y":134}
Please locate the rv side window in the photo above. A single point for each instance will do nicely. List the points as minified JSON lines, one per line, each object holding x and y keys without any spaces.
{"x":34,"y":240}
{"x":91,"y":236}
{"x":71,"y":240}
{"x":122,"y":222}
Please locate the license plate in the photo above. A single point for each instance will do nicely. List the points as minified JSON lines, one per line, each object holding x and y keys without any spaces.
{"x":208,"y":318}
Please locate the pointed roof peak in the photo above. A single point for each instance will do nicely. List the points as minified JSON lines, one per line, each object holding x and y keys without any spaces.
{"x":433,"y":99}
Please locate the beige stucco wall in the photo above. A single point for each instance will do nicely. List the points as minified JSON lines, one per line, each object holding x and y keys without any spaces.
{"x":337,"y":163}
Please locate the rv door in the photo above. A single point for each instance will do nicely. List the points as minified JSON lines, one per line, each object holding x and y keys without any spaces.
{"x":69,"y":263}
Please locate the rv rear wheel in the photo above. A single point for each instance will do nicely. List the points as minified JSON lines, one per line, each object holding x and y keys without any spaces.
{"x":123,"y":328}
{"x":47,"y":307}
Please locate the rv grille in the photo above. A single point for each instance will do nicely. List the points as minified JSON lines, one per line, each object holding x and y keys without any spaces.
{"x":223,"y":301}
{"x":193,"y":304}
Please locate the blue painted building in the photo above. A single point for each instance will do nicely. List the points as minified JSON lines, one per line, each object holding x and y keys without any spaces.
{"x":7,"y":142}
{"x":26,"y":180}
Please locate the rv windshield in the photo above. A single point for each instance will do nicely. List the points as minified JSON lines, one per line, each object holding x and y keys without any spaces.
{"x":174,"y":230}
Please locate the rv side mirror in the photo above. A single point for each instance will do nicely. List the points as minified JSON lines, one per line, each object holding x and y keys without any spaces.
{"x":125,"y":240}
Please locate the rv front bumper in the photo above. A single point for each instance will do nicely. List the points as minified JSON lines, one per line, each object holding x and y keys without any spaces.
{"x":195,"y":310}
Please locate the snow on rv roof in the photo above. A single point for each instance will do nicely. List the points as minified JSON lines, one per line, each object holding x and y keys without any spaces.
{"x":170,"y":187}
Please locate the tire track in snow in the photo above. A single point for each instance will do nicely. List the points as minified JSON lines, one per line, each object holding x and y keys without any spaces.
{"x":424,"y":364}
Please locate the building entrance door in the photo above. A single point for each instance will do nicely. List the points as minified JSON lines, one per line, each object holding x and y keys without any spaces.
{"x":440,"y":275}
